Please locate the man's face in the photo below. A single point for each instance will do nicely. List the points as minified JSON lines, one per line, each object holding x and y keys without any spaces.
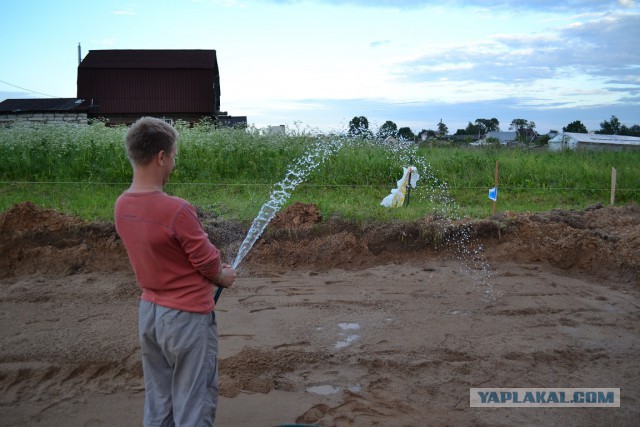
{"x":169,"y":164}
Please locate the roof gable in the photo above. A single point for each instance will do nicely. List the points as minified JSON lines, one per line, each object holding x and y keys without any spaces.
{"x":142,"y":58}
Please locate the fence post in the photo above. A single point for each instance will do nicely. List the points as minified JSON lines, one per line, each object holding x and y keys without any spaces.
{"x":614,"y":177}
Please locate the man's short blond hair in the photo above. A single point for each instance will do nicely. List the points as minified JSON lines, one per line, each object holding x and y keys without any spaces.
{"x":147,"y":137}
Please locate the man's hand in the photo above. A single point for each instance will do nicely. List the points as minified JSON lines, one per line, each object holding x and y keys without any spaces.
{"x":226,"y":277}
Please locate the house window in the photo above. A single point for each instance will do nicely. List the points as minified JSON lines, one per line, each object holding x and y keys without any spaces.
{"x":166,"y":120}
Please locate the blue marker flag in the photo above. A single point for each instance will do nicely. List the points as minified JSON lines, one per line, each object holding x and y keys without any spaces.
{"x":493,"y":194}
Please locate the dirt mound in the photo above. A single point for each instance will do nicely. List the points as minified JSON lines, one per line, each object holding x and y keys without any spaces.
{"x":260,"y":371}
{"x":600,"y":241}
{"x":298,"y":215}
{"x":29,"y":217}
{"x":45,"y":241}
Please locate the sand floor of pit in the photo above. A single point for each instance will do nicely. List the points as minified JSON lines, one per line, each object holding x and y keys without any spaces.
{"x":375,"y":340}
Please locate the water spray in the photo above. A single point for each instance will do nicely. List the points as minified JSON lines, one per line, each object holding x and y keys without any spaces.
{"x":469,"y":253}
{"x":300,"y":170}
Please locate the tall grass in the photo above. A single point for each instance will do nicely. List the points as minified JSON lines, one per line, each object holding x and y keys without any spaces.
{"x":63,"y":153}
{"x":81,"y":170}
{"x":536,"y":180}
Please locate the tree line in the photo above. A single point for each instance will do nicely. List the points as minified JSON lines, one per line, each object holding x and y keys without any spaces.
{"x":607,"y":127}
{"x":525,"y":129}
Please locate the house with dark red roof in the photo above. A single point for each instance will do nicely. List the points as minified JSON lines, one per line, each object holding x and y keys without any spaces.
{"x":173,"y":84}
{"x":121,"y":86}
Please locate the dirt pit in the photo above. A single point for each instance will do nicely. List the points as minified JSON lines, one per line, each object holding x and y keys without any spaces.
{"x":334,"y":323}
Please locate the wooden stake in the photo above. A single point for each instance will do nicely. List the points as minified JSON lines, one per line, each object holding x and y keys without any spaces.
{"x":614,"y":177}
{"x":495,"y":202}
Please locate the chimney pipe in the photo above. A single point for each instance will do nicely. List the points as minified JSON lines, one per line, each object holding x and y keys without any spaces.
{"x":79,"y":54}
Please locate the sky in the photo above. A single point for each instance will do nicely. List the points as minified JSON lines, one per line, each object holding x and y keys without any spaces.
{"x":314,"y":65}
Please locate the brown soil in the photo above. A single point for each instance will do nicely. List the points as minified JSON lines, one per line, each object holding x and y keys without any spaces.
{"x":336,"y":323}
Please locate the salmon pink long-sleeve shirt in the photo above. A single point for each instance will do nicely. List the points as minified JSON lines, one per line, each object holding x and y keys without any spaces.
{"x":174,"y":262}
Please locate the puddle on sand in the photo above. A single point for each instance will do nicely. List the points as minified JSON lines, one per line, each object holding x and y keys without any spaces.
{"x":349,"y":338}
{"x":323,"y":389}
{"x":347,"y":341}
{"x":327,"y":389}
{"x":345,"y":326}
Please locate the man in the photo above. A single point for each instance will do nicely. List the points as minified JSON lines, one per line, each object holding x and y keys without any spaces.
{"x":177,"y":268}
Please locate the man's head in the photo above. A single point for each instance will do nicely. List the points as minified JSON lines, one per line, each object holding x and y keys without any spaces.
{"x":147,"y":137}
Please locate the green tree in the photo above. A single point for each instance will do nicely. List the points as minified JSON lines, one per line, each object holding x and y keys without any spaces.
{"x":543,"y":139}
{"x":406,"y":134}
{"x":388,"y":129}
{"x":518,"y":124}
{"x":611,"y":127}
{"x":575,"y":126}
{"x":442,"y":129}
{"x":359,"y":126}
{"x":633,"y":131}
{"x":473,"y":130}
{"x":487,"y":125}
{"x":524,"y":129}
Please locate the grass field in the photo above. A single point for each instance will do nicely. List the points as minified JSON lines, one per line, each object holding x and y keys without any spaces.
{"x":82,"y":169}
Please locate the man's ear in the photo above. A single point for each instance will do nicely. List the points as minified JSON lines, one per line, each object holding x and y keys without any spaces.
{"x":160,"y":157}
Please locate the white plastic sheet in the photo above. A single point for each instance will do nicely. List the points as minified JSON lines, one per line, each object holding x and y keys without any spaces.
{"x":396,"y":198}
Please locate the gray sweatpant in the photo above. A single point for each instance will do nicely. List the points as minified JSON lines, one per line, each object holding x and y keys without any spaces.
{"x":180,"y":365}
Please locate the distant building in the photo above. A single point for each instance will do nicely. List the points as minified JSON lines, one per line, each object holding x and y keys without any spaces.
{"x":473,"y":139}
{"x":172,"y":84}
{"x":276,"y":130}
{"x":593,"y":141}
{"x":505,"y":138}
{"x":45,"y":111}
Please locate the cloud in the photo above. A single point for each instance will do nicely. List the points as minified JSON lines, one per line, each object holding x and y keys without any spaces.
{"x":607,"y":43}
{"x":500,"y":59}
{"x":125,"y":12}
{"x":379,"y":43}
{"x":228,"y":3}
{"x":601,"y":48}
{"x":106,"y":42}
